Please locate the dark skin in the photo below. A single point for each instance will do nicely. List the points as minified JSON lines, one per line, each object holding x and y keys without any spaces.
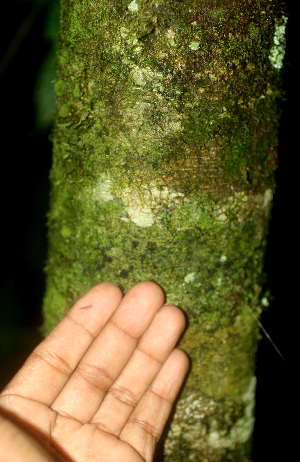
{"x":102,"y":385}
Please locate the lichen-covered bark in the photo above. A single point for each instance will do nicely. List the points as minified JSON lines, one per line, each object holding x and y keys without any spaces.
{"x":163,"y":169}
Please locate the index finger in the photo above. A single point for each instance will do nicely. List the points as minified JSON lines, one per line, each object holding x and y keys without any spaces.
{"x":50,"y":365}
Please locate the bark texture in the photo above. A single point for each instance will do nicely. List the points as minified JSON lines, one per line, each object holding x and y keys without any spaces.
{"x":163,"y":169}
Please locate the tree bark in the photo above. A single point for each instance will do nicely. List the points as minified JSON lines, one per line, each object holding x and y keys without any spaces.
{"x":163,"y":169}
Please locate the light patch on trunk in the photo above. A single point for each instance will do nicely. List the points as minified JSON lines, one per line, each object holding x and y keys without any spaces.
{"x":238,"y":205}
{"x":277,"y":51}
{"x":200,"y":411}
{"x":242,"y":429}
{"x":133,"y":6}
{"x":190,"y":277}
{"x":101,"y":190}
{"x":142,"y":206}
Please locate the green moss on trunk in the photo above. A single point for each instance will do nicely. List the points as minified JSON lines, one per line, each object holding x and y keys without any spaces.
{"x":163,"y":169}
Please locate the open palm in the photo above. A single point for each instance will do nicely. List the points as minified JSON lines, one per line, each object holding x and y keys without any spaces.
{"x":101,"y":386}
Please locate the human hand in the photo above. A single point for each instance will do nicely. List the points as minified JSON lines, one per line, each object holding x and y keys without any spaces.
{"x":101,"y":386}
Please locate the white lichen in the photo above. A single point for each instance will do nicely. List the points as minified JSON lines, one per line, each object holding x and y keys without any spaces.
{"x":170,"y":35}
{"x":143,"y":206}
{"x":242,"y":429}
{"x":277,"y":51}
{"x":190,"y":277}
{"x":102,"y":189}
{"x":133,"y":6}
{"x":265,"y":302}
{"x":238,"y":205}
{"x":268,"y":197}
{"x":194,"y":45}
{"x":142,"y":75}
{"x":194,"y":409}
{"x":235,"y":203}
{"x":124,"y":31}
{"x":142,"y":217}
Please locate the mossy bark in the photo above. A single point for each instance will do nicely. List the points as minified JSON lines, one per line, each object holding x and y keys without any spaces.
{"x":163,"y":169}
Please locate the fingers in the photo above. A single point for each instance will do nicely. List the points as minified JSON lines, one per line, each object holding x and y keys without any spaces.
{"x":146,"y":423}
{"x":109,"y":353}
{"x":151,"y":352}
{"x":50,"y":365}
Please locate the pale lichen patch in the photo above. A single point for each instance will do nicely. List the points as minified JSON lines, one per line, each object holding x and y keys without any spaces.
{"x":124,"y":31}
{"x":142,"y":217}
{"x":133,"y":6}
{"x":194,"y":45}
{"x":242,"y":430}
{"x":239,"y":203}
{"x":143,"y":206}
{"x":201,"y":412}
{"x":265,"y":302}
{"x":233,"y":203}
{"x":101,"y":190}
{"x":143,"y":75}
{"x":268,"y":197}
{"x":190,"y":277}
{"x":170,"y":35}
{"x":277,"y":52}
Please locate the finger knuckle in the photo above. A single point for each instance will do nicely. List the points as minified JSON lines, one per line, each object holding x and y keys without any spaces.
{"x":95,"y":376}
{"x":124,"y":395}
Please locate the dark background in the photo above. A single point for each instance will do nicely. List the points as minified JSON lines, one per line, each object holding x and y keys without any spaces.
{"x":27,"y":39}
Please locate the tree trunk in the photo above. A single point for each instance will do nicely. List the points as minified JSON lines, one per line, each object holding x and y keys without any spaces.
{"x":163,"y":169}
